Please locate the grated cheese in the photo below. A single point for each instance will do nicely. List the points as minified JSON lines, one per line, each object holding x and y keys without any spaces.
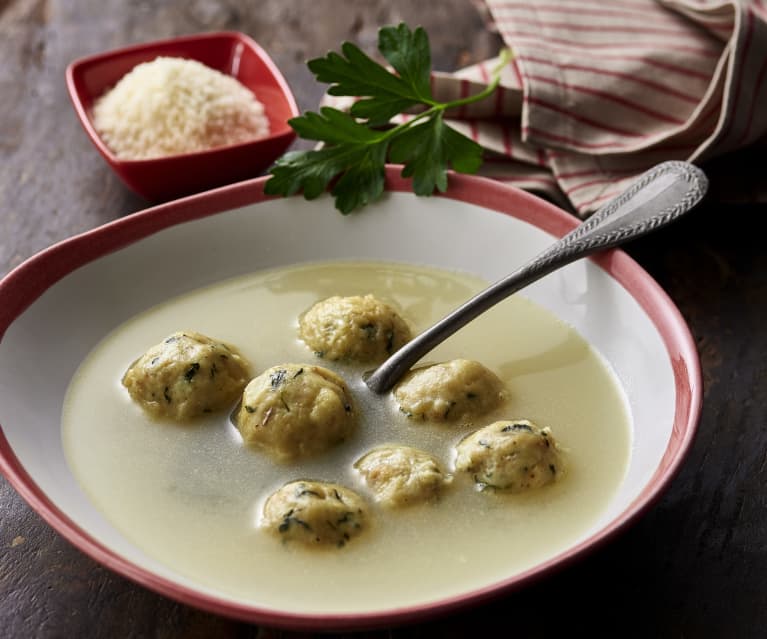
{"x":173,"y":105}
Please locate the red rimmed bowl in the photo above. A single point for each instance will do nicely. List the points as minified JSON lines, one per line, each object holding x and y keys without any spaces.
{"x":232,"y":53}
{"x":56,"y":307}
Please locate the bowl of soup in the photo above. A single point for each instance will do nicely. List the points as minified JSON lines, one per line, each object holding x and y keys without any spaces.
{"x":595,"y":355}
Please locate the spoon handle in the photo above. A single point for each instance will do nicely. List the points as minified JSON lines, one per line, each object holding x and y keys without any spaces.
{"x":658,"y":197}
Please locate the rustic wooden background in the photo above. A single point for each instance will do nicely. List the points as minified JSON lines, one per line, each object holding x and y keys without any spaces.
{"x":695,"y":566}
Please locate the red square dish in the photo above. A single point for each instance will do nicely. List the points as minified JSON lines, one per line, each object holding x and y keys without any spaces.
{"x":164,"y":178}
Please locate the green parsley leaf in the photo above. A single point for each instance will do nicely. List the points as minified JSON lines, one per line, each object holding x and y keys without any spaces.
{"x":361,"y":167}
{"x":358,"y":75}
{"x":333,"y":127}
{"x":362,"y":183}
{"x":356,"y":153}
{"x":428,"y":149}
{"x":408,"y":52}
{"x":355,"y":147}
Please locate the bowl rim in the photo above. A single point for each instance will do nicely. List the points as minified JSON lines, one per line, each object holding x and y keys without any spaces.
{"x":75,"y":67}
{"x":28,"y":281}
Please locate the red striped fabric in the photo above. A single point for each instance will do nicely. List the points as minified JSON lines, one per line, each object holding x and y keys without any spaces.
{"x":609,"y":89}
{"x":627,"y":103}
{"x":663,"y":84}
{"x":613,"y":42}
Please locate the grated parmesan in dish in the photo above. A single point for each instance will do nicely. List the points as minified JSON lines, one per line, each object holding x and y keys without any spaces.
{"x":174,"y":105}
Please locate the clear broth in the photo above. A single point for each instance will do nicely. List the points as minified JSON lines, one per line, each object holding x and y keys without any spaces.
{"x":190,"y":495}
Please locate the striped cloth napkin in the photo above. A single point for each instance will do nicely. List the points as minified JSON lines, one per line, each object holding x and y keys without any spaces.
{"x":598,"y":92}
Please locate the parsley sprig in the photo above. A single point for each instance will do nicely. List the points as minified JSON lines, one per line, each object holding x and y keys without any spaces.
{"x":356,"y":145}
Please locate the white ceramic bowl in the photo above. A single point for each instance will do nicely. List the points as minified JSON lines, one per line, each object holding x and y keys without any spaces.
{"x":59,"y":304}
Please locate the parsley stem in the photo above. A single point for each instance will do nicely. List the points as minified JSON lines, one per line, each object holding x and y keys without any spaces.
{"x":505,"y":57}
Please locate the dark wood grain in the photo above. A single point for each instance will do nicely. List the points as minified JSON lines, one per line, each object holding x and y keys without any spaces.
{"x":694,"y":566}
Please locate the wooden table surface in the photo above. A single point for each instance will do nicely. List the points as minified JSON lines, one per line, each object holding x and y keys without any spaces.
{"x":694,"y":566}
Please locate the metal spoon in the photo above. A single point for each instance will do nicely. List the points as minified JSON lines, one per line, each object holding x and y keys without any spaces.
{"x":659,"y":196}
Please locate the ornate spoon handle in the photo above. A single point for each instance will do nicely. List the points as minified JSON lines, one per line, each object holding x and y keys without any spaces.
{"x":658,"y":197}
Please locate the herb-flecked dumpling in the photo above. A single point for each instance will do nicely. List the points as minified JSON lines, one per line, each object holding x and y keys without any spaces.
{"x":402,"y":475}
{"x":358,"y":328}
{"x":186,"y":375}
{"x":458,"y":390}
{"x":512,"y":455}
{"x":315,"y":513}
{"x":292,"y":411}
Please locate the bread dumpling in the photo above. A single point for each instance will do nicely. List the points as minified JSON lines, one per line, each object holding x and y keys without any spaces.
{"x":512,"y":455}
{"x":293,"y":411}
{"x":457,"y":390}
{"x":401,"y":475}
{"x":315,"y":513}
{"x":358,"y":328}
{"x":187,"y":375}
